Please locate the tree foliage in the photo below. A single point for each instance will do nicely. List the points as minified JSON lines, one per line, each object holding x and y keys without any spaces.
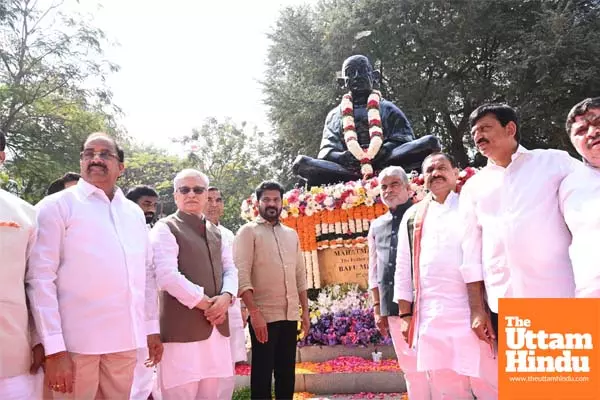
{"x":151,"y":166}
{"x":439,"y":61}
{"x":34,"y":167}
{"x":235,"y":158}
{"x":52,"y":91}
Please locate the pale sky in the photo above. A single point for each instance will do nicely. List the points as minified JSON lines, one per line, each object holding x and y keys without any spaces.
{"x":185,"y":60}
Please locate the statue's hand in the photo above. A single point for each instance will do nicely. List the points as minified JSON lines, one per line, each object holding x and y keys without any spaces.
{"x":348,"y":160}
{"x":381,"y":155}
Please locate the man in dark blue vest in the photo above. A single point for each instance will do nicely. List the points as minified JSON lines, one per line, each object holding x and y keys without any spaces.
{"x":383,"y":242}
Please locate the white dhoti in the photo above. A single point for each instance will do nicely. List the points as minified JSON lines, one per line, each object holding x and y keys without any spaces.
{"x":417,"y":383}
{"x":193,"y":370}
{"x":22,"y":387}
{"x":206,"y":389}
{"x":457,"y":362}
{"x":143,"y":377}
{"x":460,"y":366}
{"x":448,"y":384}
{"x":237,"y":341}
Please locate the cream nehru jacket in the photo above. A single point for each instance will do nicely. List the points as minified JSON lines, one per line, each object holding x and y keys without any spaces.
{"x":17,"y":234}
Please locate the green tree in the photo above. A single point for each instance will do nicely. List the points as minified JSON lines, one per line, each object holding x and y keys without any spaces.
{"x":33,"y":168}
{"x":52,"y":91}
{"x":299,"y":86}
{"x":151,"y":166}
{"x":235,"y":158}
{"x":439,"y":61}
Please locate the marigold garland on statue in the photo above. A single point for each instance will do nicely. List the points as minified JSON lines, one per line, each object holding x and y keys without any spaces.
{"x":336,"y":215}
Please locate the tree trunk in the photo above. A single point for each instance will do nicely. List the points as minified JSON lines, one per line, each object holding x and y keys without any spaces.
{"x":456,"y":148}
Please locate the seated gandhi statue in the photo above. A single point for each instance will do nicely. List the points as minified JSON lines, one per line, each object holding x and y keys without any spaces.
{"x":364,"y":134}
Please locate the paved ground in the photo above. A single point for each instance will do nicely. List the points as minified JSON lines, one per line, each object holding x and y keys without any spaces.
{"x":374,"y":396}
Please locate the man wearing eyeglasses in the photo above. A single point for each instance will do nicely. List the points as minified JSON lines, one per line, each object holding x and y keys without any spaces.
{"x":197,"y":279}
{"x":91,"y":281}
{"x":580,"y":196}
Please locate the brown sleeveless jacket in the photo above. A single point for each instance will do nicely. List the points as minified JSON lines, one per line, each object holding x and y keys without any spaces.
{"x":199,"y":261}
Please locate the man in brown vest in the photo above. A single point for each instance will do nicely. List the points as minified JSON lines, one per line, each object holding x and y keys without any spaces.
{"x":197,"y":280}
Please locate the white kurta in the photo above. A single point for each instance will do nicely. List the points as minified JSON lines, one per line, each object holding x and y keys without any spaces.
{"x":444,"y":339}
{"x":237,"y":337}
{"x":90,"y":278}
{"x":190,"y":362}
{"x":515,"y":237}
{"x":18,"y":230}
{"x":580,"y":202}
{"x":143,"y":377}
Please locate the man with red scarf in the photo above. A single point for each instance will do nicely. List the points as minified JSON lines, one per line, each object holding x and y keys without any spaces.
{"x":436,"y":306}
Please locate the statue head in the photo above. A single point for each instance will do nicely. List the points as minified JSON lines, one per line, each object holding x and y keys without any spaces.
{"x":358,"y":75}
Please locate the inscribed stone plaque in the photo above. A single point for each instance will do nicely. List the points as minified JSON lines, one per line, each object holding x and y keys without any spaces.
{"x":344,"y":265}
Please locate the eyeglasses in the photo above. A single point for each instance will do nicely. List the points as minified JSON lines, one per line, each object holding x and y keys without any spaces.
{"x":103,"y":154}
{"x":195,"y":189}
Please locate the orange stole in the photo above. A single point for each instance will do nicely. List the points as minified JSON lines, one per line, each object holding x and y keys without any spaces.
{"x":420,"y":213}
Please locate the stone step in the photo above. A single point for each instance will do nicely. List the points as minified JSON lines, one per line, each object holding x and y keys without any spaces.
{"x":357,"y":396}
{"x":324,"y":353}
{"x":384,"y":382}
{"x":341,"y":375}
{"x":350,"y":383}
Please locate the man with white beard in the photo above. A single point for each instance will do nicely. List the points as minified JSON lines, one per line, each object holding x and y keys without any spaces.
{"x":383,"y":244}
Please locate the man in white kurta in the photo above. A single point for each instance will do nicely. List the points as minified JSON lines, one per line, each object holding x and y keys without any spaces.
{"x":214,"y":210}
{"x":192,"y":370}
{"x":458,"y":363}
{"x":580,"y":197}
{"x":17,"y":234}
{"x":515,"y":241}
{"x":90,"y":281}
{"x":143,"y":376}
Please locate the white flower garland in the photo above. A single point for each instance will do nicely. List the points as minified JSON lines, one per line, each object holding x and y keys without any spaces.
{"x":316,"y":270}
{"x":309,"y":268}
{"x":375,"y":131}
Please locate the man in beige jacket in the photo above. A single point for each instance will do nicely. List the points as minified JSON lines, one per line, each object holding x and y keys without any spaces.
{"x":18,"y":363}
{"x":272,"y":284}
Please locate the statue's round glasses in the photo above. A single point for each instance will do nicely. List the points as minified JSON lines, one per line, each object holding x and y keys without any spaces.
{"x":195,"y":189}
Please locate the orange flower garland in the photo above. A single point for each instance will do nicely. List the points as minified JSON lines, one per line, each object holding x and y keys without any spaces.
{"x":336,"y":215}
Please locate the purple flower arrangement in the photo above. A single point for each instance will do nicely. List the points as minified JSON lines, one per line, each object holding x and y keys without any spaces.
{"x":351,"y":328}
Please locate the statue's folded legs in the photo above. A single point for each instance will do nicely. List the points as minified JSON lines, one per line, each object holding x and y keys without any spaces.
{"x":408,"y":156}
{"x":322,"y":172}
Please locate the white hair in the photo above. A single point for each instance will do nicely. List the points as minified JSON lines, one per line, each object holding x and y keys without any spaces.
{"x":189,"y":173}
{"x":394,"y":171}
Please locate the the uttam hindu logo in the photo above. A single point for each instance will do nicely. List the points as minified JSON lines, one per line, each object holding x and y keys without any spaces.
{"x":548,"y":349}
{"x":523,"y":343}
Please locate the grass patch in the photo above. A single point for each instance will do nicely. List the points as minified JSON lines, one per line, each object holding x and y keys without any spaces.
{"x":241,"y":394}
